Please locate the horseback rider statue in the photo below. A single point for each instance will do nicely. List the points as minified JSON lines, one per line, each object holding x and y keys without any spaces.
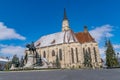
{"x":31,"y":47}
{"x":36,"y":56}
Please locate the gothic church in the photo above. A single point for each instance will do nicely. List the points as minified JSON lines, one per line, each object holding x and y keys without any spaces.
{"x":73,"y":50}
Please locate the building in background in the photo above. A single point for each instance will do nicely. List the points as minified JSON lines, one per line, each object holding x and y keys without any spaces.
{"x":3,"y":61}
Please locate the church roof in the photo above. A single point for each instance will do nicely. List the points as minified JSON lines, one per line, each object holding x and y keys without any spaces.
{"x":84,"y":37}
{"x":56,"y":38}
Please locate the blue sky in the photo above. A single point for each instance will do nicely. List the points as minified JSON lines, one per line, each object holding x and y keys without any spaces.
{"x":23,"y":21}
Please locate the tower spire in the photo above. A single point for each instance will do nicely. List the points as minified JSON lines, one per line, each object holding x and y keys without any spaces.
{"x":65,"y":15}
{"x":65,"y":22}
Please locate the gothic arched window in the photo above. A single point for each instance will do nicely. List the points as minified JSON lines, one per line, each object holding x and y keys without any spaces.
{"x":60,"y":54}
{"x":84,"y":51}
{"x":89,"y":50}
{"x":72,"y":54}
{"x":77,"y":54}
{"x":44,"y":54}
{"x":89,"y":53}
{"x":95,"y":54}
{"x":53,"y":53}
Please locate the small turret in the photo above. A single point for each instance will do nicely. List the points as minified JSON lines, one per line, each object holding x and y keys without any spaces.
{"x":85,"y":29}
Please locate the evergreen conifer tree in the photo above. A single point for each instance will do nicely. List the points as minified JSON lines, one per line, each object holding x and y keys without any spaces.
{"x":111,"y":59}
{"x":22,"y":62}
{"x":87,"y":59}
{"x":15,"y":60}
{"x":39,"y":61}
{"x":37,"y":58}
{"x":57,"y":62}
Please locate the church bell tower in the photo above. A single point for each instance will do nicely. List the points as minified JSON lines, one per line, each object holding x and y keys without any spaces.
{"x":65,"y":22}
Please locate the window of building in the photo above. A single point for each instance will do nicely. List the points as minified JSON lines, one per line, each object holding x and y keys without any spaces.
{"x":60,"y":54}
{"x":53,"y":53}
{"x":44,"y":54}
{"x":84,"y":51}
{"x":89,"y":53}
{"x":77,"y":54}
{"x":95,"y":54}
{"x":72,"y":54}
{"x":89,"y":50}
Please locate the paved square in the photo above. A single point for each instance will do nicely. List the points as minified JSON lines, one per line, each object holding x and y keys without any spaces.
{"x":103,"y":74}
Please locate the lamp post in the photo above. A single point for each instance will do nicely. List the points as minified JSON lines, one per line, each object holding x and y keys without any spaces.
{"x":117,"y":55}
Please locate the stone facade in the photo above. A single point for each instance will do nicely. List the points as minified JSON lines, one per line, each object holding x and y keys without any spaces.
{"x":74,"y":50}
{"x":71,"y":55}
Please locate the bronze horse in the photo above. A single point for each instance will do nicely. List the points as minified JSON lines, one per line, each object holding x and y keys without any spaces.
{"x":31,"y":47}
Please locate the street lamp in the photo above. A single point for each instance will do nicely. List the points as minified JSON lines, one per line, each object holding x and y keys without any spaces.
{"x":117,"y":56}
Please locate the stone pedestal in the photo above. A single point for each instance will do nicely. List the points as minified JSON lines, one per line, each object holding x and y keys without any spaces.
{"x":12,"y":67}
{"x":30,"y":62}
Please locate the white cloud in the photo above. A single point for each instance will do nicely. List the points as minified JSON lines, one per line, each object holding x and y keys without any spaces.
{"x":9,"y":33}
{"x":116,"y":46}
{"x":102,"y":53}
{"x":11,"y":50}
{"x":102,"y":50}
{"x":99,"y":33}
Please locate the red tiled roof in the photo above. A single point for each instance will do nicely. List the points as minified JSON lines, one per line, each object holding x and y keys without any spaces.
{"x":84,"y":37}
